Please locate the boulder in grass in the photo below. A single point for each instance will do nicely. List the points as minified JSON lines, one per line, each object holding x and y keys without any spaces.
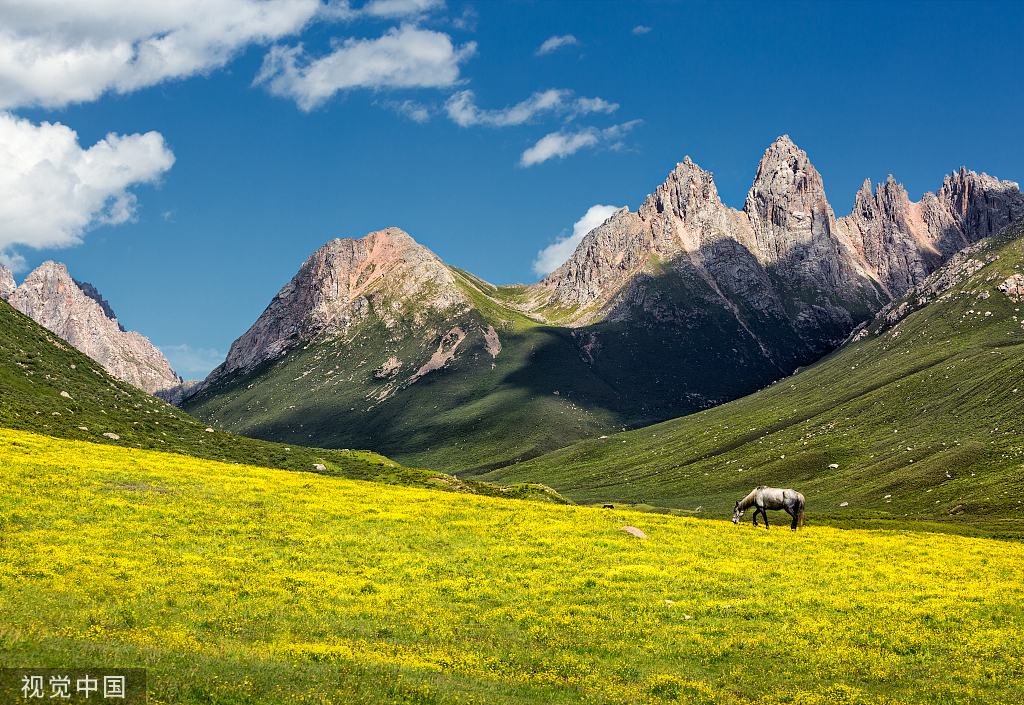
{"x":635,"y":531}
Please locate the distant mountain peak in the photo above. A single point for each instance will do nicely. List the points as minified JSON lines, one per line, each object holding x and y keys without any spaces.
{"x":336,"y":287}
{"x":49,"y":296}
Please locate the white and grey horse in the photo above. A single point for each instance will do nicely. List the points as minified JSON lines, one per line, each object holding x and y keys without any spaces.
{"x":763,"y":498}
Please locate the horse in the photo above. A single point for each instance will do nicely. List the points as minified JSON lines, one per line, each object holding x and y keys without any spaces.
{"x":763,"y":498}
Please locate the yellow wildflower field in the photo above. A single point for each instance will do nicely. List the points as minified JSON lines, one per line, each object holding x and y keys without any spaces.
{"x":236,"y":584}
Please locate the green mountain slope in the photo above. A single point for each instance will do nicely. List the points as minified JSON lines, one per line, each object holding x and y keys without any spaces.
{"x":549,"y":386}
{"x":49,"y":387}
{"x":677,"y":307}
{"x":919,"y":416}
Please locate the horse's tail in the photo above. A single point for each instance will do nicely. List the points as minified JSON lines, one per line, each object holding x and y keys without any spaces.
{"x":799,"y":511}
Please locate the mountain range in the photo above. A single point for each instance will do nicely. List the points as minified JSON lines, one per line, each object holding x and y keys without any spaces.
{"x":918,"y":415}
{"x":677,"y":307}
{"x":674,"y":309}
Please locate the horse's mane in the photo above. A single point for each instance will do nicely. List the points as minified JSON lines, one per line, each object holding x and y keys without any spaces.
{"x":748,"y":501}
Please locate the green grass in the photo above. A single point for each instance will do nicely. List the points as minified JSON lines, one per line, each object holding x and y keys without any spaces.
{"x":235,"y":584}
{"x":36,"y":367}
{"x":922,"y":418}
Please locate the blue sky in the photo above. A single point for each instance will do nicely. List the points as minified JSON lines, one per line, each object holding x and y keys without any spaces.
{"x":186,"y":157}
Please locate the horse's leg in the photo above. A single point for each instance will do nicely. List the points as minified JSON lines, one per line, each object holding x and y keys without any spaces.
{"x":792,"y":514}
{"x":764,"y":513}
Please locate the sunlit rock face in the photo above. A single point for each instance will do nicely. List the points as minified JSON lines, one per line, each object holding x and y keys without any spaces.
{"x":77,"y":313}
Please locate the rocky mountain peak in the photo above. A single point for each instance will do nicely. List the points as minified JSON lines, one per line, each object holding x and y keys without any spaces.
{"x":7,"y":285}
{"x":50,"y":297}
{"x":980,"y":203}
{"x":688,"y":192}
{"x":786,"y":204}
{"x":338,"y":285}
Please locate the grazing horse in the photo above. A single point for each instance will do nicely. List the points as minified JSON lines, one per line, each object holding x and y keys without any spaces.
{"x":763,"y":498}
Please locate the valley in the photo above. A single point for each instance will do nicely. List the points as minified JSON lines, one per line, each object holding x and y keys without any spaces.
{"x":674,"y":309}
{"x":916,"y":417}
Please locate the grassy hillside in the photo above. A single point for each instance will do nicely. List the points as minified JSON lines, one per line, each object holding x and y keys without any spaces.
{"x":232,"y":584}
{"x":47,"y":386}
{"x":922,"y":419}
{"x":476,"y":409}
{"x":548,"y":387}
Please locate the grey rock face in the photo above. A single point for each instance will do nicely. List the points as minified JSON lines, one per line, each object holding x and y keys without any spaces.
{"x":177,"y":394}
{"x":785,"y":255}
{"x":7,"y":285}
{"x":50,"y":297}
{"x":902,"y":242}
{"x":337,"y":286}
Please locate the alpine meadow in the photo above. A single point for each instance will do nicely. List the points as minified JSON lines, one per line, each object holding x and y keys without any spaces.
{"x":511,"y":353}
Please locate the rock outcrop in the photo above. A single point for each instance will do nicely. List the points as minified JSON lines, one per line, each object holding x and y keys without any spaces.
{"x":78,"y":314}
{"x":785,"y":255}
{"x":7,"y":285}
{"x":902,"y":242}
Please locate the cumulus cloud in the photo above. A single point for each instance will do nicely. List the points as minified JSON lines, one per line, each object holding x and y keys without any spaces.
{"x":192,"y":363}
{"x":562,"y":144}
{"x":640,"y":29}
{"x":463,"y":111}
{"x":556,"y":42}
{"x":13,"y":261}
{"x":57,"y":52}
{"x":554,"y":256}
{"x":54,"y":191}
{"x":404,"y":57}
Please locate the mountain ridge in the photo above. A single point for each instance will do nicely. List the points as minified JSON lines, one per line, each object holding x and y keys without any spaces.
{"x":917,"y":415}
{"x":680,"y":306}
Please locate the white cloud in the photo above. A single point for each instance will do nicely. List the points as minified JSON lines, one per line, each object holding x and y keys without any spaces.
{"x":57,"y":52}
{"x":394,"y":9}
{"x":53,"y":190}
{"x":467,"y":21}
{"x":405,"y":57}
{"x":14,"y":262}
{"x":562,"y":144}
{"x":462,"y":109}
{"x":554,"y":256}
{"x":554,"y":43}
{"x":192,"y":363}
{"x":640,"y":29}
{"x":417,"y":112}
{"x":583,"y":106}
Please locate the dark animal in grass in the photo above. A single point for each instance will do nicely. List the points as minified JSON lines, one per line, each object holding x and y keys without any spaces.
{"x":608,"y":506}
{"x":763,"y":498}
